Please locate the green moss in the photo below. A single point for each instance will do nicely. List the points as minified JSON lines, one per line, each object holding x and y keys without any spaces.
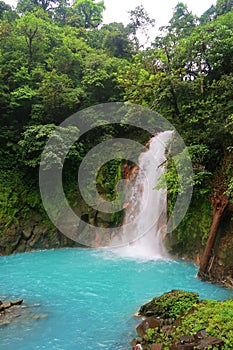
{"x":213,"y":316}
{"x":192,"y":233}
{"x":20,"y":196}
{"x":20,"y":200}
{"x":170,"y":305}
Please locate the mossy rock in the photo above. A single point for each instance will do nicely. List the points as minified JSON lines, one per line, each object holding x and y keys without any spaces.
{"x":170,"y":305}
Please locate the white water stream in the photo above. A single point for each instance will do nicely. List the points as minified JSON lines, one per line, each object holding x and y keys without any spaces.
{"x":144,"y":226}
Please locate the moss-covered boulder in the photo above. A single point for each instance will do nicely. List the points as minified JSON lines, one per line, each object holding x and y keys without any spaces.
{"x":206,"y":324}
{"x":170,"y":305}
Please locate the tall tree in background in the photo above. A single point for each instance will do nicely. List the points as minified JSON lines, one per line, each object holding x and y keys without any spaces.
{"x":208,"y":15}
{"x":113,"y":38}
{"x":223,"y":6}
{"x":4,"y":8}
{"x":140,"y":23}
{"x":89,"y":13}
{"x":182,"y":22}
{"x":31,"y":5}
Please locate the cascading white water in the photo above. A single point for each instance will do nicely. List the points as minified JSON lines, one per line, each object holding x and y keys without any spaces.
{"x":144,"y":226}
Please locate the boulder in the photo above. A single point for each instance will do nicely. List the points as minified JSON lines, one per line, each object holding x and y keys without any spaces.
{"x":137,"y":347}
{"x":9,"y":304}
{"x":201,"y":334}
{"x":6,"y":305}
{"x":167,"y":330}
{"x":27,"y":231}
{"x":166,"y":306}
{"x":39,"y":317}
{"x":17,"y":302}
{"x":210,"y":342}
{"x":136,"y":341}
{"x":149,"y":322}
{"x":187,"y":339}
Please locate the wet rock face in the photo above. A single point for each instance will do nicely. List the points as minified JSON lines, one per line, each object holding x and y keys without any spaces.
{"x":29,"y":236}
{"x":220,"y":269}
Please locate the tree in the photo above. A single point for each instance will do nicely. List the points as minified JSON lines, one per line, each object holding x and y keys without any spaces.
{"x":100,"y":78}
{"x":59,"y":97}
{"x":224,"y":6}
{"x":36,"y":30}
{"x":30,"y":31}
{"x":32,"y":5}
{"x":208,"y":15}
{"x":159,"y":78}
{"x":4,"y":9}
{"x":113,"y":38}
{"x":220,"y":203}
{"x":208,"y":49}
{"x":62,"y":12}
{"x":140,"y":22}
{"x":5,"y":103}
{"x":116,"y":41}
{"x":87,"y":13}
{"x":182,"y":22}
{"x":34,"y":139}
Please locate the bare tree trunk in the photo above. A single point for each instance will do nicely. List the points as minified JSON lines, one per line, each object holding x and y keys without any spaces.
{"x":220,"y":203}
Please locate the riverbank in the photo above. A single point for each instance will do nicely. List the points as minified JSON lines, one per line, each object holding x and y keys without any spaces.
{"x":178,"y":320}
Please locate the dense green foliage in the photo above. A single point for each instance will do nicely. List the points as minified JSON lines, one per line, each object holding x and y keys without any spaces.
{"x":58,"y":58}
{"x":218,"y":317}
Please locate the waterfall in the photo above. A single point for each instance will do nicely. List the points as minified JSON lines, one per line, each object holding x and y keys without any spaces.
{"x":144,"y":226}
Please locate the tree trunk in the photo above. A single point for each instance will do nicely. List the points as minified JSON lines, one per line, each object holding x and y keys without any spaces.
{"x":220,"y":203}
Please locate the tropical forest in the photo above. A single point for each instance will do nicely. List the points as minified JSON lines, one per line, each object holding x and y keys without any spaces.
{"x":76,"y":275}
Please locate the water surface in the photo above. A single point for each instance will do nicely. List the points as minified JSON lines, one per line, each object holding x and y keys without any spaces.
{"x":89,"y":296}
